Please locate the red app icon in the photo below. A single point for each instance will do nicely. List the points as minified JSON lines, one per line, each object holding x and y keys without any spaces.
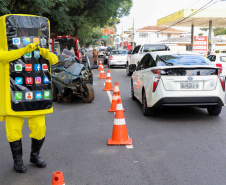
{"x":44,"y":67}
{"x":29,"y":80}
{"x":28,"y":67}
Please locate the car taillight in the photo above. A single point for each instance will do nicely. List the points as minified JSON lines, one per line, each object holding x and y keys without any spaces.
{"x":127,"y":56}
{"x":157,"y":73}
{"x":219,"y":65}
{"x":222,"y":79}
{"x":111,"y":58}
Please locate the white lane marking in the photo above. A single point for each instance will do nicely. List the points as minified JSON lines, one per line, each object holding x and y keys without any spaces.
{"x":129,"y":146}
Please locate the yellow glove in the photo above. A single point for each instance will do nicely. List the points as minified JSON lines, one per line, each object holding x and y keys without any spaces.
{"x":51,"y":57}
{"x":9,"y":56}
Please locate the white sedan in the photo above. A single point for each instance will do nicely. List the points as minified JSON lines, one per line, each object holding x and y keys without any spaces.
{"x":117,"y":58}
{"x":219,"y":59}
{"x":168,"y":78}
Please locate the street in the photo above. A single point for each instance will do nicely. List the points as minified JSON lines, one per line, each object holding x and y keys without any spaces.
{"x":181,"y":146}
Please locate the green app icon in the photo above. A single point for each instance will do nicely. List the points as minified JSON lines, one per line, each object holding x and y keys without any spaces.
{"x":18,"y":96}
{"x":46,"y":94}
{"x":28,"y":55}
{"x":18,"y":67}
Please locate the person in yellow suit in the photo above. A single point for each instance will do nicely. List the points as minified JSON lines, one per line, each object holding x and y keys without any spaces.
{"x":31,"y":109}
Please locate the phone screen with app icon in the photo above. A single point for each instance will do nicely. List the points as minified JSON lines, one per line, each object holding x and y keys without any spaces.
{"x":30,"y":79}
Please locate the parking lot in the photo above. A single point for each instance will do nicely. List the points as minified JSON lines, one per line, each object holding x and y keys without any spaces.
{"x":176,"y":146}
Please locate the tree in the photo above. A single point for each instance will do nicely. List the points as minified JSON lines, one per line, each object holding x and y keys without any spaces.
{"x":217,"y":31}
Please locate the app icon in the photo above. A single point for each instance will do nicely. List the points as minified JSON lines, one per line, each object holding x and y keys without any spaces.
{"x":38,"y":80}
{"x":16,"y":41}
{"x":26,"y":41}
{"x":18,"y":67}
{"x":38,"y":95}
{"x":46,"y":80}
{"x":29,"y":95}
{"x":44,"y":67}
{"x":37,"y":54}
{"x":43,"y":41}
{"x":28,"y":67}
{"x":29,"y":80}
{"x":35,"y":40}
{"x":27,"y":55}
{"x":46,"y":94}
{"x":37,"y":67}
{"x":19,"y":80}
{"x":18,"y":96}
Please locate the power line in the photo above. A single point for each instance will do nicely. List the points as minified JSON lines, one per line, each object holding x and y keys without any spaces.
{"x":197,"y":11}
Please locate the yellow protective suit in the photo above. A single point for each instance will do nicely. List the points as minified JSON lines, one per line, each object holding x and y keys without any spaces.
{"x":14,"y":119}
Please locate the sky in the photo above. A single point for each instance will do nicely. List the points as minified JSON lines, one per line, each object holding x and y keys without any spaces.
{"x":147,"y":12}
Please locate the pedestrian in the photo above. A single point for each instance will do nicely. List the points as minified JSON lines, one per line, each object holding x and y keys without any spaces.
{"x":19,"y":102}
{"x":72,"y":50}
{"x":55,"y":51}
{"x":95,"y":56}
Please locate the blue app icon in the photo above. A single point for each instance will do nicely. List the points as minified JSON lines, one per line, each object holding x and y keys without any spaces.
{"x":46,"y":80}
{"x":26,"y":41}
{"x":37,"y":67}
{"x":37,"y":54}
{"x":19,"y":80}
{"x":38,"y":95}
{"x":16,"y":41}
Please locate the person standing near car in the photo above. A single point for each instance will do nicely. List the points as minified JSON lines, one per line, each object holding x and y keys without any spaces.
{"x":95,"y":56}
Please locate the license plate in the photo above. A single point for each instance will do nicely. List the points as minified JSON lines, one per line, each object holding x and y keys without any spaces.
{"x":189,"y":85}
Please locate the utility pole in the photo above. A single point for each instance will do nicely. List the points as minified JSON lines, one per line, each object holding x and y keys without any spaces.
{"x":133,"y":36}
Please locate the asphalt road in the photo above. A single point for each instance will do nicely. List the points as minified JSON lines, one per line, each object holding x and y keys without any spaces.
{"x":178,"y":146}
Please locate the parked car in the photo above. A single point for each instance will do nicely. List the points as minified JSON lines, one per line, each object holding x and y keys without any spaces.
{"x":70,"y":78}
{"x":101,"y":52}
{"x":219,"y":59}
{"x":117,"y":58}
{"x":167,"y":78}
{"x":138,"y":53}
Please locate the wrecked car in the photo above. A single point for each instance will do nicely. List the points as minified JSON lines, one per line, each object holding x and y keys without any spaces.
{"x":71,"y":78}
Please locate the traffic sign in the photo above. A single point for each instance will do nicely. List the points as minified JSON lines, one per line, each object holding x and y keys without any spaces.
{"x":109,"y":32}
{"x":104,"y":37}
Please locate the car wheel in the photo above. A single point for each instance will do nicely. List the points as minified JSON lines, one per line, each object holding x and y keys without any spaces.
{"x":88,"y":95}
{"x":105,"y":61}
{"x":146,"y":111}
{"x":214,"y":110}
{"x":132,"y":91}
{"x":128,"y":73}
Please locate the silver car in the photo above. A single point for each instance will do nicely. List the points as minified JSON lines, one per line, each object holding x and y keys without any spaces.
{"x":117,"y":58}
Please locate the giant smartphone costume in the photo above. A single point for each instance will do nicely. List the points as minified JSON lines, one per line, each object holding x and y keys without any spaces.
{"x":25,"y":74}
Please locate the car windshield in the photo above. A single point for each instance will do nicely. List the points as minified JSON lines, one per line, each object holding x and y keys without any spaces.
{"x":148,"y":48}
{"x":174,"y":60}
{"x":118,"y":52}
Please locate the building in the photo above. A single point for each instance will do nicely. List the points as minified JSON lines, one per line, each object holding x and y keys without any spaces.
{"x":154,"y":34}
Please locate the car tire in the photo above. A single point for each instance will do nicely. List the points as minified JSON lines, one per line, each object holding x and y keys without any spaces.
{"x":128,"y":73}
{"x":214,"y":110}
{"x":132,"y":91}
{"x":88,"y":96}
{"x":146,"y":111}
{"x":105,"y":61}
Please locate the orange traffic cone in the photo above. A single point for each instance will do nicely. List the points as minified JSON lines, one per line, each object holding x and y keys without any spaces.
{"x":100,"y":66}
{"x":58,"y":178}
{"x":116,"y":96}
{"x":102,"y":74}
{"x":119,"y":133}
{"x":108,"y":84}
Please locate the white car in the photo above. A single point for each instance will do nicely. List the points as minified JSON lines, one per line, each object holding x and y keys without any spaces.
{"x":101,"y":52}
{"x":219,"y":59}
{"x":117,"y":58}
{"x":167,"y":78}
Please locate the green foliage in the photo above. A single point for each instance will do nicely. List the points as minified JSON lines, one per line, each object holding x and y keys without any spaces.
{"x":200,"y":34}
{"x":74,"y":17}
{"x":217,"y":31}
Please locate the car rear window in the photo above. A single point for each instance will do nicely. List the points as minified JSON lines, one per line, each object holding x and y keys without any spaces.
{"x":148,"y":48}
{"x":118,"y":52}
{"x":175,"y":60}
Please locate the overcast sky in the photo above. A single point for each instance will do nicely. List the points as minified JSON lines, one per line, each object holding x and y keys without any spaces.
{"x":147,"y":12}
